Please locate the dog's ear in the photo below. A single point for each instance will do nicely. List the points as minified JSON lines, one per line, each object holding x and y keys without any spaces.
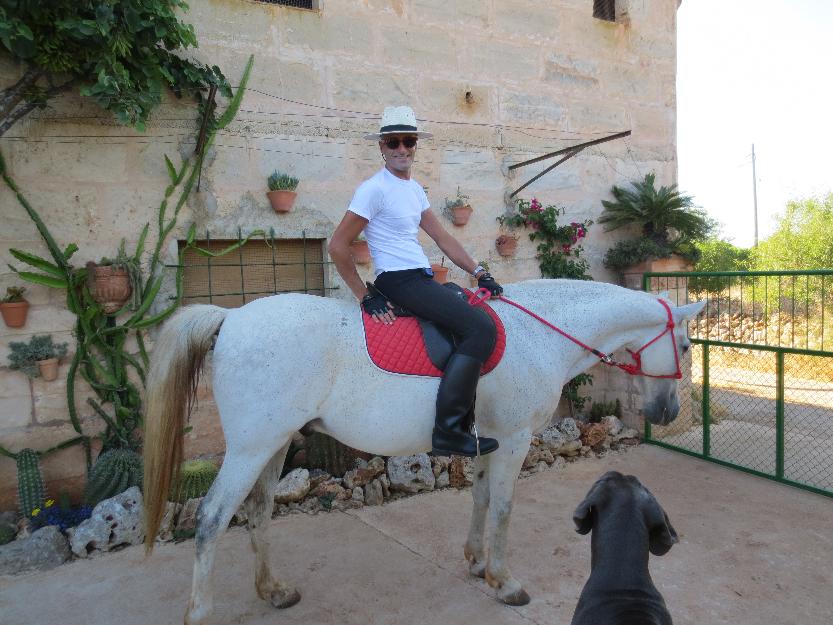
{"x":583,"y":516}
{"x":661,"y":534}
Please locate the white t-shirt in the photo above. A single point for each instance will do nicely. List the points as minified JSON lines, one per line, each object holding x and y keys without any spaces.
{"x":393,"y":208}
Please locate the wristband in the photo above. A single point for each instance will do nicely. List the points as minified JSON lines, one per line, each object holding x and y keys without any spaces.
{"x":477,"y":270}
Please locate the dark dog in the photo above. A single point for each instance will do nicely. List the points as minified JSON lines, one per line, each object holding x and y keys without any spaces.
{"x":627,"y":523}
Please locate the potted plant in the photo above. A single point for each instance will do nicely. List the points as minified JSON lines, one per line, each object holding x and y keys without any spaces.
{"x":440,"y":271}
{"x":458,"y":210}
{"x":39,"y":357}
{"x":669,"y":224}
{"x":113,"y":281}
{"x":282,"y":191}
{"x":512,"y":219}
{"x":14,"y":307}
{"x":360,"y":251}
{"x":506,"y":244}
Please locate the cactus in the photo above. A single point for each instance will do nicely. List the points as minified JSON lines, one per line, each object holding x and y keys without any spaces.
{"x":325,"y":452}
{"x":7,"y":533}
{"x":195,"y":478}
{"x":30,"y":490}
{"x":113,"y":473}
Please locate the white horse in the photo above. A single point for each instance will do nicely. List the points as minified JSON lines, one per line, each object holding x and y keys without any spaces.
{"x":289,"y":361}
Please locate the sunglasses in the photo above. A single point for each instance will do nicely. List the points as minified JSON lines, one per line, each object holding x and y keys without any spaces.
{"x":394,"y":142}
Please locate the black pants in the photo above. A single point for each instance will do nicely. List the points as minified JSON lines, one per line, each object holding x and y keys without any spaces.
{"x":416,"y":291}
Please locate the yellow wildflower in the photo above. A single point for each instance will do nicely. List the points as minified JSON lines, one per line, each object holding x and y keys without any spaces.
{"x":35,"y":511}
{"x":50,"y":503}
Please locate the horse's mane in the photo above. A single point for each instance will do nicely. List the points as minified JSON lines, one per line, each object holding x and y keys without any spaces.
{"x":576,"y":290}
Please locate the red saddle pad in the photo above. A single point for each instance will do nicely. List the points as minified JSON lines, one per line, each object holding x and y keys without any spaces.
{"x":400,"y":348}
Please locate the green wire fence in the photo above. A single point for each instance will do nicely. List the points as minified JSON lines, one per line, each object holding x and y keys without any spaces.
{"x":758,"y":390}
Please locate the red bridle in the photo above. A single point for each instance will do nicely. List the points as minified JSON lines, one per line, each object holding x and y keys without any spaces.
{"x":482,"y":295}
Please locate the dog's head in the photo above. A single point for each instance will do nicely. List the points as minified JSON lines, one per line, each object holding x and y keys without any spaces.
{"x":614,"y":492}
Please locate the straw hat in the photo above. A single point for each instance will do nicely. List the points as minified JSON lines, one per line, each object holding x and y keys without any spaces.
{"x":398,"y":120}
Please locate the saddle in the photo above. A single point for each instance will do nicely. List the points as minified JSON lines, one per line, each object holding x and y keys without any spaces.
{"x":416,"y":346}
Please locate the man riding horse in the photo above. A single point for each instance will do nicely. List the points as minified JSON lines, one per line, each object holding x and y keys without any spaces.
{"x":390,"y":207}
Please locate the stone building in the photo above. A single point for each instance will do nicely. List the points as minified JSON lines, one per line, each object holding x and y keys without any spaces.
{"x":497,"y":83}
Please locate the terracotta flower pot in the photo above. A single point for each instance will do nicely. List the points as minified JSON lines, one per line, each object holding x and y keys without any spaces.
{"x":505,"y":245}
{"x":48,"y":369}
{"x":360,"y":252}
{"x":110,"y":287}
{"x":460,"y":215}
{"x":440,"y":273}
{"x":281,"y":201}
{"x":14,"y":313}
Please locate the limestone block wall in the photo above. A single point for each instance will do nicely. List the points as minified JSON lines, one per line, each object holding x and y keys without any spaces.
{"x":496,"y":82}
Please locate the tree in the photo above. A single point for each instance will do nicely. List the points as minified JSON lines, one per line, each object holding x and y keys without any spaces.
{"x":802,"y":239}
{"x":119,"y":53}
{"x":664,"y":215}
{"x":718,"y":255}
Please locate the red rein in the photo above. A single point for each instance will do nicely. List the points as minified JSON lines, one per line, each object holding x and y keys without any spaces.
{"x":482,"y":295}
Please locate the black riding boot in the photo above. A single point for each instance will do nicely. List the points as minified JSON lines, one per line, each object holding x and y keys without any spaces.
{"x":454,"y":400}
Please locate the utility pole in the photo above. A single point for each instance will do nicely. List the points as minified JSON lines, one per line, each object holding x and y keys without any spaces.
{"x":755,"y":194}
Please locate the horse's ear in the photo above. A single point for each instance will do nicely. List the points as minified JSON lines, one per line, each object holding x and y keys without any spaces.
{"x":664,"y":295}
{"x":689,"y":311}
{"x":583,"y":516}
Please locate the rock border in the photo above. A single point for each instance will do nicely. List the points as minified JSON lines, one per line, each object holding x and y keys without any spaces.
{"x":118,"y":521}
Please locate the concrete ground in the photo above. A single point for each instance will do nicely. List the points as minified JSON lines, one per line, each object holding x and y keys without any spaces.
{"x":751,"y":551}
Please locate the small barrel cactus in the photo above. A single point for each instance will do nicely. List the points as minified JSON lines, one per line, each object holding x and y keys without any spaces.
{"x":30,"y":489}
{"x":113,"y":473}
{"x":7,"y":533}
{"x":195,"y":478}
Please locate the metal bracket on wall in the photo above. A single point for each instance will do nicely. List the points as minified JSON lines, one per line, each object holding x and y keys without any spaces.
{"x":569,"y":152}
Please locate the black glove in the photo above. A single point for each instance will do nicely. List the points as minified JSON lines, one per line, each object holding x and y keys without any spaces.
{"x":486,"y":281}
{"x":375,"y":304}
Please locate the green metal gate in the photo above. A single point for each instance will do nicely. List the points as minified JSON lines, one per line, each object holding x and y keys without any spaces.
{"x":758,"y":389}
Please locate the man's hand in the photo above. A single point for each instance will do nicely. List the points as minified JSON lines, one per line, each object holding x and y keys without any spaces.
{"x":486,"y":281}
{"x":377,"y":306}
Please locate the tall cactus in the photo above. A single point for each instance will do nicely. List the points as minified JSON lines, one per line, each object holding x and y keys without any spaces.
{"x":30,"y":490}
{"x":113,"y":473}
{"x":195,"y":478}
{"x":102,"y":357}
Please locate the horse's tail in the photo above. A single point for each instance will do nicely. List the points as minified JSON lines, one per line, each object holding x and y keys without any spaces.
{"x":178,"y":356}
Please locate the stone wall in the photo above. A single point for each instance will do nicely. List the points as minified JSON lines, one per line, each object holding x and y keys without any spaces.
{"x":496,"y":82}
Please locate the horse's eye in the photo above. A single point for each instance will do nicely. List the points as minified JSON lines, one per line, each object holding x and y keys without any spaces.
{"x":685,"y":347}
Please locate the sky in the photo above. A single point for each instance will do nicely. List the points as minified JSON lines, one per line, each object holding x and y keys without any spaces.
{"x":754,"y":71}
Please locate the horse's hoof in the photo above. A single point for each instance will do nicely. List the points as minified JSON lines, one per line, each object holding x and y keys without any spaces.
{"x":519,"y":597}
{"x":285,"y":600}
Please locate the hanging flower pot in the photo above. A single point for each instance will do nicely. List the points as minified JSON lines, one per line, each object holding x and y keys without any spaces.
{"x":282,"y":201}
{"x":360,"y":251}
{"x":440,"y":273}
{"x":458,"y":210}
{"x":506,"y":245}
{"x":48,"y":369}
{"x":110,"y":286}
{"x":13,"y":307}
{"x":281,"y":192}
{"x":460,"y":214}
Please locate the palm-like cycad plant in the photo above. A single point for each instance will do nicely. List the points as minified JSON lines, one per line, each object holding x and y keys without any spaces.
{"x":664,"y":215}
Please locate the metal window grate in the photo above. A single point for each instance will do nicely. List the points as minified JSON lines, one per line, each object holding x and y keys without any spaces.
{"x":298,"y":4}
{"x":256,"y":269}
{"x":604,"y":10}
